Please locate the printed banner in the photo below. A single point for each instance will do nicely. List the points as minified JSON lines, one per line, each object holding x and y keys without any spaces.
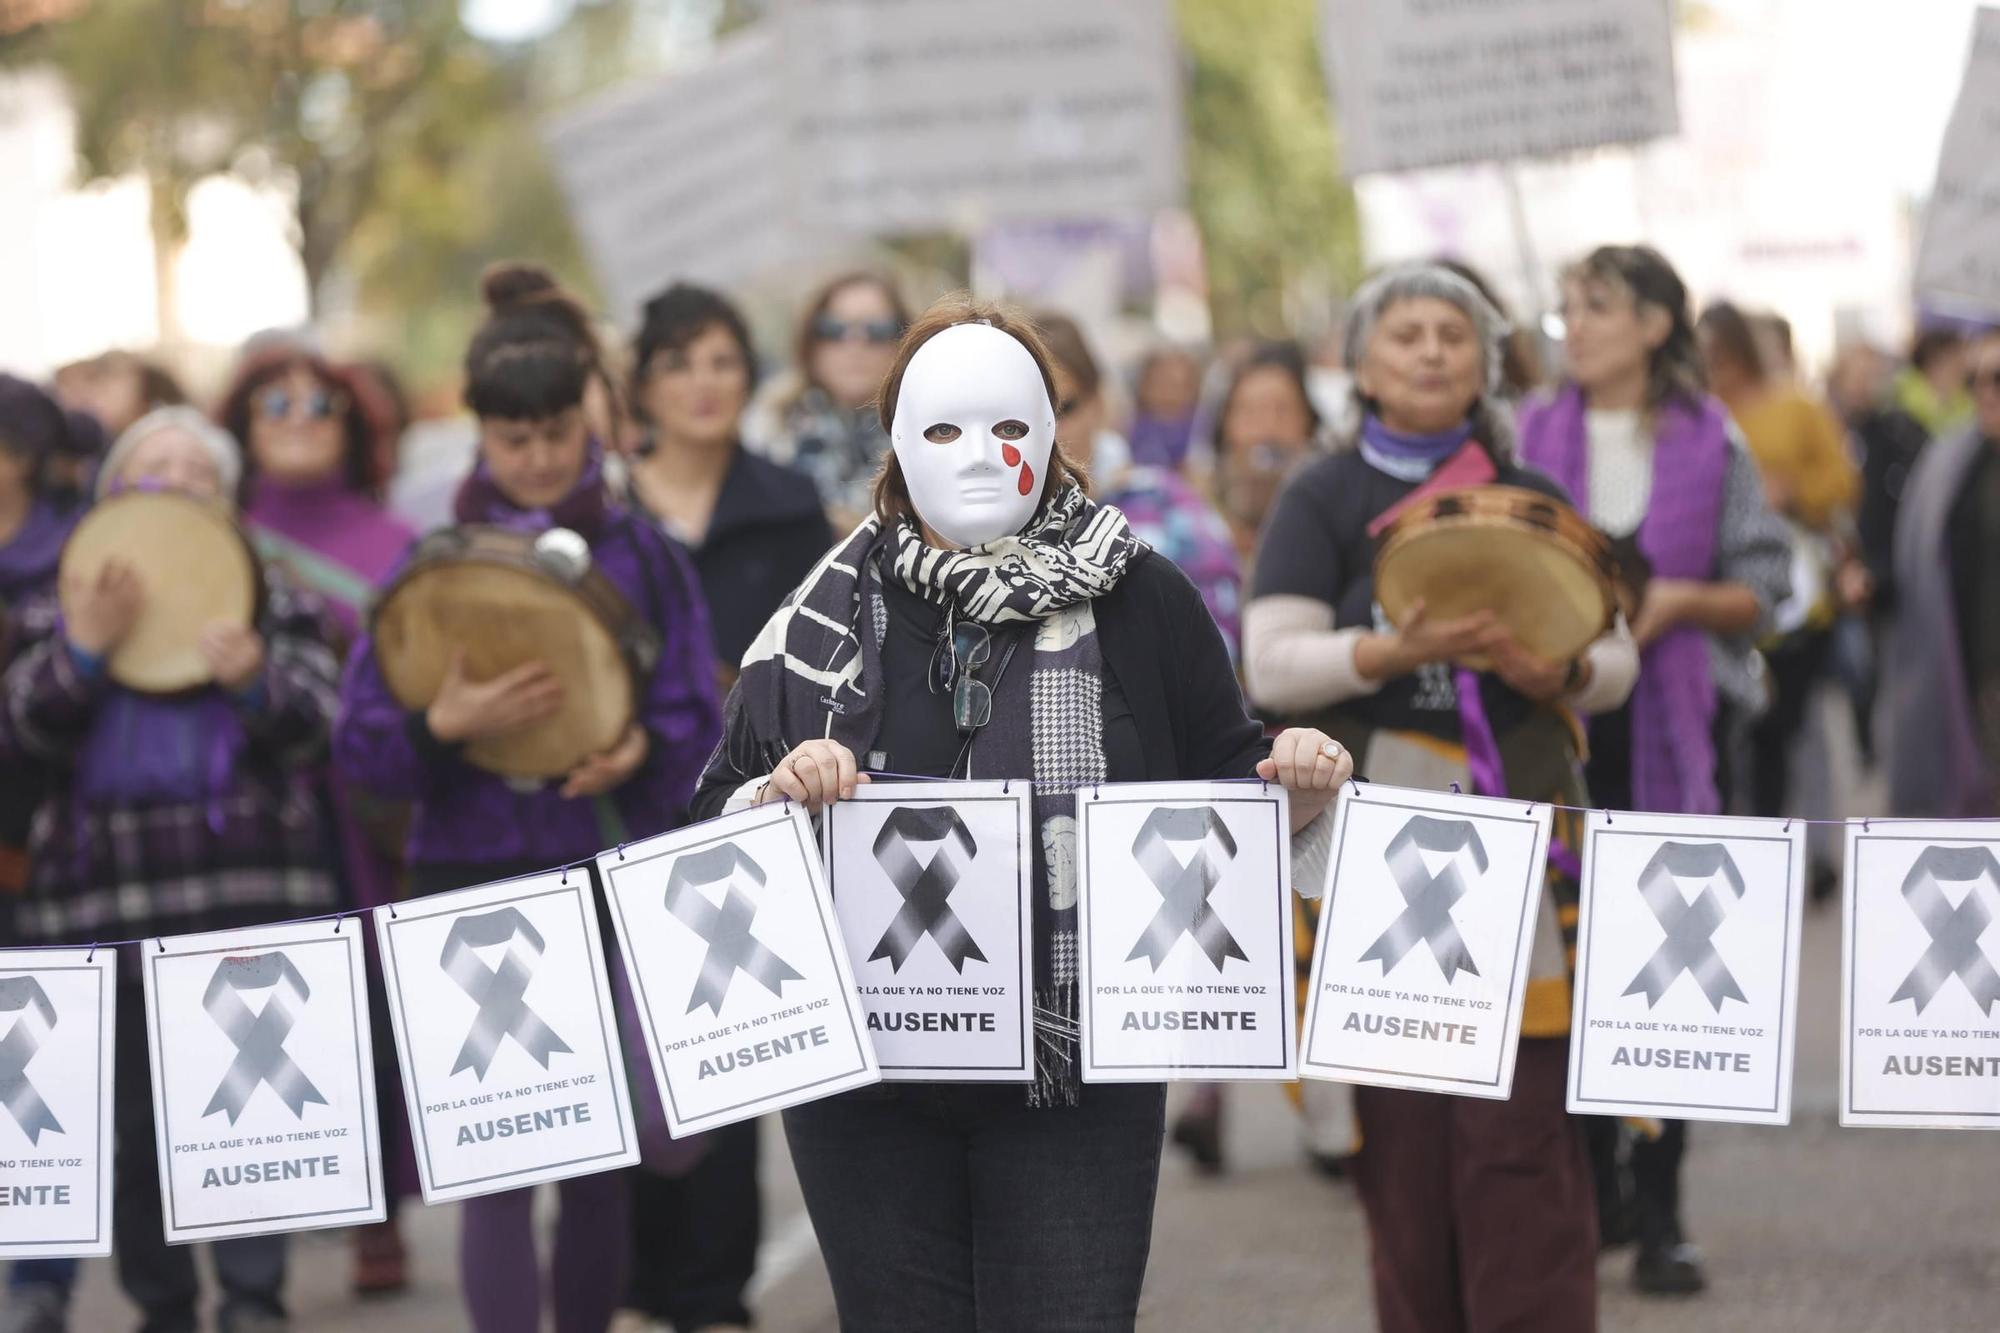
{"x":932,"y":884}
{"x":1687,"y":968}
{"x":1920,"y":976}
{"x":56,"y":1020}
{"x":1958,"y":266}
{"x":1421,"y":966}
{"x":263,"y":1081}
{"x":1185,"y":932}
{"x":741,"y":973}
{"x":1419,"y":84}
{"x":504,"y":1024}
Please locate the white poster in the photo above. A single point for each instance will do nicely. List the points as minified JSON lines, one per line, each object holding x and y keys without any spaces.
{"x":56,"y":1020}
{"x":1958,"y":261}
{"x":1184,"y":932}
{"x":504,"y":1024}
{"x":739,"y":967}
{"x":1422,"y":84}
{"x":1920,"y":976}
{"x":683,"y":178}
{"x":1687,"y":968}
{"x":1077,"y":113}
{"x":1421,"y":967}
{"x":932,"y":882}
{"x":263,"y":1081}
{"x":832,"y":122}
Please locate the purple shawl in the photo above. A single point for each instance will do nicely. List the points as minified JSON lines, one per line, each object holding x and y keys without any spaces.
{"x":333,"y":540}
{"x":28,"y":560}
{"x":1160,"y":442}
{"x":1673,"y":706}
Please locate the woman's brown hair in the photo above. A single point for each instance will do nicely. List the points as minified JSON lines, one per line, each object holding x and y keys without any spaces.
{"x":891,"y":493}
{"x":537,"y":351}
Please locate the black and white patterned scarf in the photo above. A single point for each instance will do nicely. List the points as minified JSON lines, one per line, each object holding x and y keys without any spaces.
{"x":813,"y":672}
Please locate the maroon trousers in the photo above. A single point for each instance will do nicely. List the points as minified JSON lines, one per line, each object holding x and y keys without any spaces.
{"x":1481,"y":1215}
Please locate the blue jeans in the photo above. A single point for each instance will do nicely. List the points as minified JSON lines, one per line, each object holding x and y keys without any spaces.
{"x":943,"y":1207}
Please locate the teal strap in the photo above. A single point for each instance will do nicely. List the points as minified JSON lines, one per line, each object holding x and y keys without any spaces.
{"x":611,"y":829}
{"x":327,"y":577}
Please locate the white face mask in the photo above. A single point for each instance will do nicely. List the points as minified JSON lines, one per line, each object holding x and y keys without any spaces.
{"x":973,"y":431}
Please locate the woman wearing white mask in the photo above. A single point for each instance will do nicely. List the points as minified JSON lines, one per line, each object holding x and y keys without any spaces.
{"x":989,"y":620}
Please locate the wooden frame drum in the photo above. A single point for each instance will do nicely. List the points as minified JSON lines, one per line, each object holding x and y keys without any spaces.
{"x":196,"y":566}
{"x":509,"y":598}
{"x":1527,"y":557}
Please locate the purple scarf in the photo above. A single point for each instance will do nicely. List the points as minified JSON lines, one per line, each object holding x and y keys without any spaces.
{"x":1673,"y":705}
{"x":162,"y":750}
{"x":331,"y":539}
{"x":1399,"y":449}
{"x":585,"y":510}
{"x":1159,"y":441}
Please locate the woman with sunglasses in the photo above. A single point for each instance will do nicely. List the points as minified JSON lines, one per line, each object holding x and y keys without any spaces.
{"x":822,"y":419}
{"x":312,"y":488}
{"x":753,"y":530}
{"x":315,"y":471}
{"x":526,"y":376}
{"x":989,"y":620}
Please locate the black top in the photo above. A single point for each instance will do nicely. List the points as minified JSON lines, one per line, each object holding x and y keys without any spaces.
{"x":919,"y":736}
{"x":1972,"y":540}
{"x":766,"y":533}
{"x":1890,"y":441}
{"x":1172,"y":708}
{"x":1316,"y":545}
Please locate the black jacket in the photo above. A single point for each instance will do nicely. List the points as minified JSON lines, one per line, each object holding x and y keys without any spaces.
{"x":1166,"y":654}
{"x":767,"y":531}
{"x":1890,"y":440}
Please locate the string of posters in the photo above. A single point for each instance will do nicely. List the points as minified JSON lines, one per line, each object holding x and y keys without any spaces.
{"x":763,"y":962}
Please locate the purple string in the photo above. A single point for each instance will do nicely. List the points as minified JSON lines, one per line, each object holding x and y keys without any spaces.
{"x":1482,"y":751}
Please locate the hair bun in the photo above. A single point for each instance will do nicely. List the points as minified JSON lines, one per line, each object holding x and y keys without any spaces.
{"x":510,"y":285}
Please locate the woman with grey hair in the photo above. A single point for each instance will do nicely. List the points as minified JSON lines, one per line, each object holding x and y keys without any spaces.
{"x":1480,"y":1212}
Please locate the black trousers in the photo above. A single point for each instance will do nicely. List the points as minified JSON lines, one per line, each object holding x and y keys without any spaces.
{"x":959,"y":1208}
{"x":1797,"y":663}
{"x":1652,"y":1192}
{"x":694,"y":1237}
{"x":160,"y":1278}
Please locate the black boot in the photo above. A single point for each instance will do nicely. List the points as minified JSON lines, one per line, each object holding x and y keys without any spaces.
{"x":1201,"y":1135}
{"x":1668,"y":1266}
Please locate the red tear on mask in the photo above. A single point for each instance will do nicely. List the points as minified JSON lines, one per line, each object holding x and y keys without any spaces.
{"x":1027,"y":479}
{"x":1012,"y":455}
